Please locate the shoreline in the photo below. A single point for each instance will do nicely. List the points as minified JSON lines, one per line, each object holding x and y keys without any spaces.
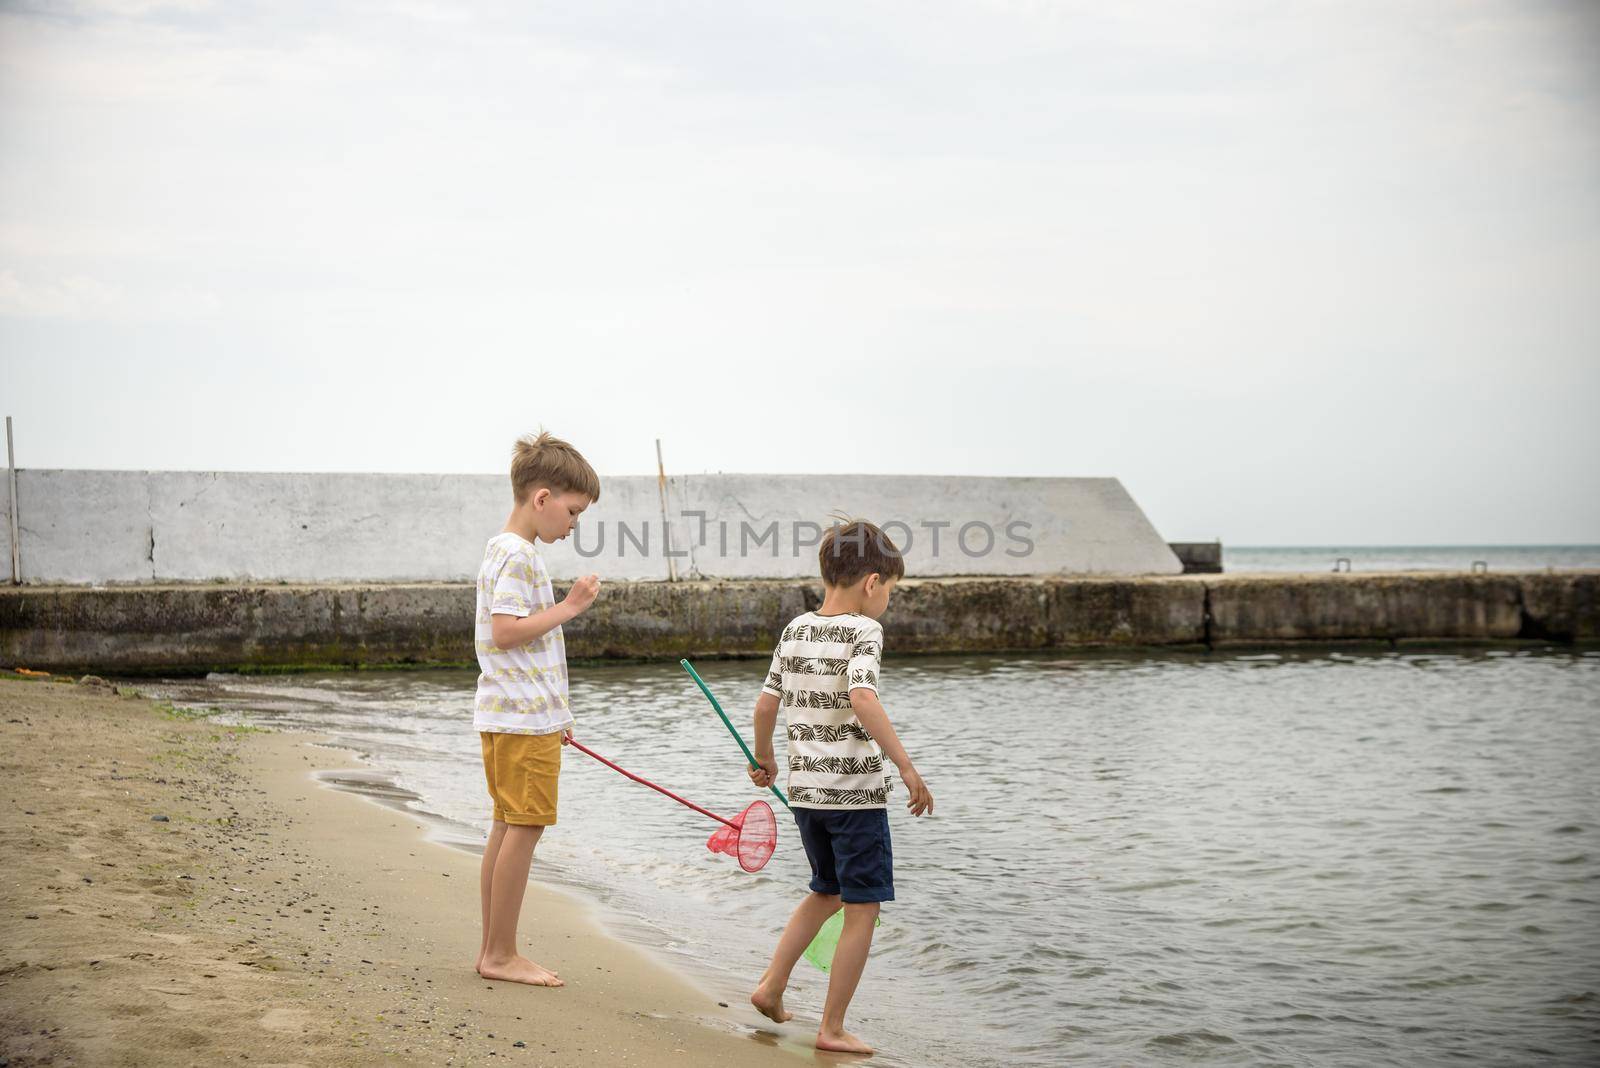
{"x":279,"y":919}
{"x":377,"y":785}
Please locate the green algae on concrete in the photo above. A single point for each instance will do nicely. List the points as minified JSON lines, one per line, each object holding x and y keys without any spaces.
{"x":193,"y":629}
{"x":1343,"y":607}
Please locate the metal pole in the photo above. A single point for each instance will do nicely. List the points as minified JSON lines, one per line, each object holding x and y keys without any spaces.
{"x":11,"y":477}
{"x":666,"y":531}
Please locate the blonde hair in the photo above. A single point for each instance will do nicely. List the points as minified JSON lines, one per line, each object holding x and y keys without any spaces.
{"x":544,"y":461}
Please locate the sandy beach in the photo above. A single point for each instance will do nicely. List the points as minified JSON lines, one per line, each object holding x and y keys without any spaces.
{"x":178,"y":891}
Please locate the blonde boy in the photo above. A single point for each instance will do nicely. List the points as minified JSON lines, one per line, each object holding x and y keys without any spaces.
{"x":522,"y":713}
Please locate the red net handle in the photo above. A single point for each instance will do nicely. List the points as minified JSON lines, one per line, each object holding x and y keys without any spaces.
{"x":580,"y":747}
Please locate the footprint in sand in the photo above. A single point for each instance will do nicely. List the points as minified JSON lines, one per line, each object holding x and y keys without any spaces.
{"x":174,"y":990}
{"x":284,"y":1020}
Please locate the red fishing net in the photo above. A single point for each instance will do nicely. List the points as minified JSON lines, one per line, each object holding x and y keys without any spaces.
{"x":751,"y":839}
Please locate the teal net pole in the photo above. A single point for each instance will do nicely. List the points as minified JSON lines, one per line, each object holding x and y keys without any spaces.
{"x":698,"y":681}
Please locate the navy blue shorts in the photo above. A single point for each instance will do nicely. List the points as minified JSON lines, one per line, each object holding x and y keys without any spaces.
{"x":849,"y":852}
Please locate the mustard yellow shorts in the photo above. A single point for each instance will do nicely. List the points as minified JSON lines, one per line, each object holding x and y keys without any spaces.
{"x":523,"y":771}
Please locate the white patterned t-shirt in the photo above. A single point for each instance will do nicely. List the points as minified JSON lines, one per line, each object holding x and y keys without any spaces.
{"x":833,"y":762}
{"x":522,"y":690}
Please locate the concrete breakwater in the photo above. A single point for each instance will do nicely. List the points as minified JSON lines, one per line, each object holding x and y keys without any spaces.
{"x":240,"y":527}
{"x":199,"y":628}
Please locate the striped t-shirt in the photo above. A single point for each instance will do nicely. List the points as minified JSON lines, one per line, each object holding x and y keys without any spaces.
{"x":833,"y":762}
{"x":522,"y":690}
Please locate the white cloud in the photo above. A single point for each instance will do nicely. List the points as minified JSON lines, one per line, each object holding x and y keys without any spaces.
{"x":86,"y":298}
{"x":135,"y":8}
{"x":75,"y":297}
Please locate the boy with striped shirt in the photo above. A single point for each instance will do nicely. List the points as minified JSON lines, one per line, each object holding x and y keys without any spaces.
{"x":824,"y":675}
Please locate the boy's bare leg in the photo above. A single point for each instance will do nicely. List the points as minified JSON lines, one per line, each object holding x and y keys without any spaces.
{"x":506,"y":887}
{"x":808,"y":916}
{"x":849,"y":960}
{"x":491,"y":850}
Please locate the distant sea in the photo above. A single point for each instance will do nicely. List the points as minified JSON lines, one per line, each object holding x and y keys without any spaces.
{"x":1409,"y":557}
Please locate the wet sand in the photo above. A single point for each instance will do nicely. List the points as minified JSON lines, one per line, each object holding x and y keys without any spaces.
{"x":273,"y":921}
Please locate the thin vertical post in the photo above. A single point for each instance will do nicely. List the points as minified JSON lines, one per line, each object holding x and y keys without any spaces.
{"x":666,"y":531}
{"x":11,"y":478}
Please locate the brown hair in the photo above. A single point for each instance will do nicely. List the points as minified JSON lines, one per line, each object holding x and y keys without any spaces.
{"x":854,"y":549}
{"x":547,"y":462}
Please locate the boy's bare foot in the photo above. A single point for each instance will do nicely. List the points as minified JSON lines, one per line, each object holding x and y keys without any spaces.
{"x":769,"y":1003}
{"x":478,"y":967}
{"x":842,"y":1042}
{"x":519,"y":970}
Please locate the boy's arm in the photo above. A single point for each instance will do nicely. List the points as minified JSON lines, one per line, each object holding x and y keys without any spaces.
{"x":869,"y":710}
{"x":766,"y":722}
{"x":508,"y":631}
{"x":512,"y":631}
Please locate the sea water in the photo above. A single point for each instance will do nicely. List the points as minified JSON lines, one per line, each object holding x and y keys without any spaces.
{"x":1316,"y":858}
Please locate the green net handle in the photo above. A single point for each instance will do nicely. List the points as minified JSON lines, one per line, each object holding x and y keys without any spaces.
{"x":698,"y":681}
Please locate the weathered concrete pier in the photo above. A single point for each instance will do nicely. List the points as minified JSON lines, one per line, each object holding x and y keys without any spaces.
{"x":177,"y":629}
{"x":193,"y":571}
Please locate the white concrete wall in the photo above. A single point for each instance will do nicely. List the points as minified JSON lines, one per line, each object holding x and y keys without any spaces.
{"x":184,"y":526}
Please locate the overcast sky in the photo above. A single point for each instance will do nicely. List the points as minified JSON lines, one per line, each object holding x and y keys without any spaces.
{"x":1295,"y":273}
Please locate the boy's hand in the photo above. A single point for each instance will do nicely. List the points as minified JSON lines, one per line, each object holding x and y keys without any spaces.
{"x":566,"y":736}
{"x":582,"y":594}
{"x":921,"y":799}
{"x":766,"y":771}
